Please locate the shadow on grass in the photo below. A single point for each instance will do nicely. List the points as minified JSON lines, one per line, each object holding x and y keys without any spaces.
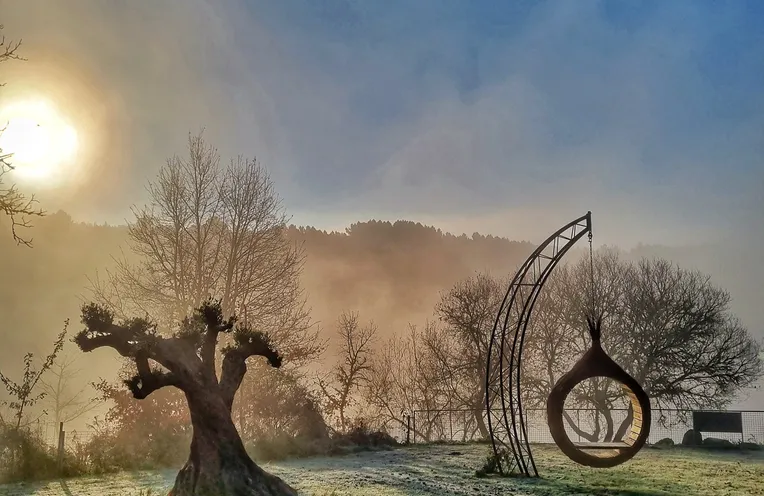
{"x":547,"y":487}
{"x":65,"y":488}
{"x":450,"y":471}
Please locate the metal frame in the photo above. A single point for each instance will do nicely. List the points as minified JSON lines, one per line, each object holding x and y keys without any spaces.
{"x":503,"y":392}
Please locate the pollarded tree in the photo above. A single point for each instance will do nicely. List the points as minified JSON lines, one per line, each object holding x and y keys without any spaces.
{"x":218,"y":463}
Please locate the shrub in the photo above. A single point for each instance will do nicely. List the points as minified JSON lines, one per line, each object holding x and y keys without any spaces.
{"x":25,"y":456}
{"x":491,"y":464}
{"x":692,"y":438}
{"x":712,"y":442}
{"x":665,"y":442}
{"x":362,"y":435}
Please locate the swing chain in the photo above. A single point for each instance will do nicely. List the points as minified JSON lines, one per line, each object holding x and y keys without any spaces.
{"x":591,"y":275}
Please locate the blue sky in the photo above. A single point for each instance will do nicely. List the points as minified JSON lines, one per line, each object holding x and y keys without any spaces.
{"x":677,"y":85}
{"x":502,"y":117}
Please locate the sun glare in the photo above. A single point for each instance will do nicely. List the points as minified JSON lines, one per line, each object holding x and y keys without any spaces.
{"x":40,"y":140}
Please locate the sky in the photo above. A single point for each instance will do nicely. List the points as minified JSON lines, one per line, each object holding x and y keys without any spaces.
{"x":508,"y":118}
{"x":504,"y":118}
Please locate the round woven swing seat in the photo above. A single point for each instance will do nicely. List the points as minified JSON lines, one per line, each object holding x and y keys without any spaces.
{"x":596,"y":363}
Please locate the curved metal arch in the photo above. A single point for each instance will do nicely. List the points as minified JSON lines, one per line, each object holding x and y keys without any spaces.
{"x":503,"y":399}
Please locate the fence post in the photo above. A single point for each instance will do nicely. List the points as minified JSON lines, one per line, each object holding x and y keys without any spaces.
{"x":429,"y":428}
{"x":413,"y":425}
{"x":408,"y":429}
{"x":450,"y":425}
{"x":61,"y":436}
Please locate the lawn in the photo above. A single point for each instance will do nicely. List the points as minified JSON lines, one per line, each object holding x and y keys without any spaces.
{"x":449,"y":470}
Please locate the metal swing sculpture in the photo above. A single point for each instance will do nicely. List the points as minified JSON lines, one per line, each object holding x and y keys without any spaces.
{"x":506,"y":420}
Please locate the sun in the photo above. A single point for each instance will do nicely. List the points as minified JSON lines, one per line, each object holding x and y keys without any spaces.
{"x":41,"y":142}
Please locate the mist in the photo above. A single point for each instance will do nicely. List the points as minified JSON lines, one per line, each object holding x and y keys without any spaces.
{"x":500,"y":120}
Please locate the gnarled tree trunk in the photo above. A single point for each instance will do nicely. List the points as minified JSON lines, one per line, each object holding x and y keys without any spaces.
{"x":218,"y":463}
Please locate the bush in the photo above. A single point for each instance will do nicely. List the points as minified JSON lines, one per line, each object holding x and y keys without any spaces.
{"x":362,"y":435}
{"x":111,"y":451}
{"x":712,"y":442}
{"x":692,"y":438}
{"x":492,"y":464}
{"x":113,"y":448}
{"x":665,"y":442}
{"x":25,"y":456}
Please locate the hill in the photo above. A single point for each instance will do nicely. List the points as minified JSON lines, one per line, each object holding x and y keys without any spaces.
{"x":391,"y":272}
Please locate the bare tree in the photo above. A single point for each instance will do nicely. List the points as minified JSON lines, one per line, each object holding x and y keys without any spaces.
{"x":669,"y":327}
{"x":352,"y":372}
{"x":63,"y":402}
{"x":689,"y":350}
{"x":403,"y":380}
{"x":14,"y":204}
{"x":467,"y":312}
{"x":212,"y":232}
{"x":218,"y":462}
{"x":558,"y":337}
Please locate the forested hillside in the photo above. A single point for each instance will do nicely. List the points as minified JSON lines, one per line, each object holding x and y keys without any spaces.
{"x":391,"y":273}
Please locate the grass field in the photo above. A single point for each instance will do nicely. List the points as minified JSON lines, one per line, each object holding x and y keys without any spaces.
{"x":449,"y":470}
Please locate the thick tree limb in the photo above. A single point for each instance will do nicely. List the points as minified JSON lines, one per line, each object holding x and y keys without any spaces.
{"x":146,"y":381}
{"x":137,"y":339}
{"x":247,"y":343}
{"x":592,"y":438}
{"x":114,"y":338}
{"x":143,"y":385}
{"x":100,"y":331}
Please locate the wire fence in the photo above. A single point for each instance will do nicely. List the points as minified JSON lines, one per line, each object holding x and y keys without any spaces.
{"x":49,"y":433}
{"x":581,"y":425}
{"x":462,"y":425}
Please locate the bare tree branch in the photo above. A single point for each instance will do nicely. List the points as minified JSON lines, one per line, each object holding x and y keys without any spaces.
{"x":355,"y":366}
{"x":208,"y":232}
{"x":16,"y":206}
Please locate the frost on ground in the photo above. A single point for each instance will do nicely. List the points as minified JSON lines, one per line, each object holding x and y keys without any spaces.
{"x":449,"y":470}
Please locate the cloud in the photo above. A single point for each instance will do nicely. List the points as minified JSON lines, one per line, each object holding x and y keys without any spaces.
{"x":479,"y":117}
